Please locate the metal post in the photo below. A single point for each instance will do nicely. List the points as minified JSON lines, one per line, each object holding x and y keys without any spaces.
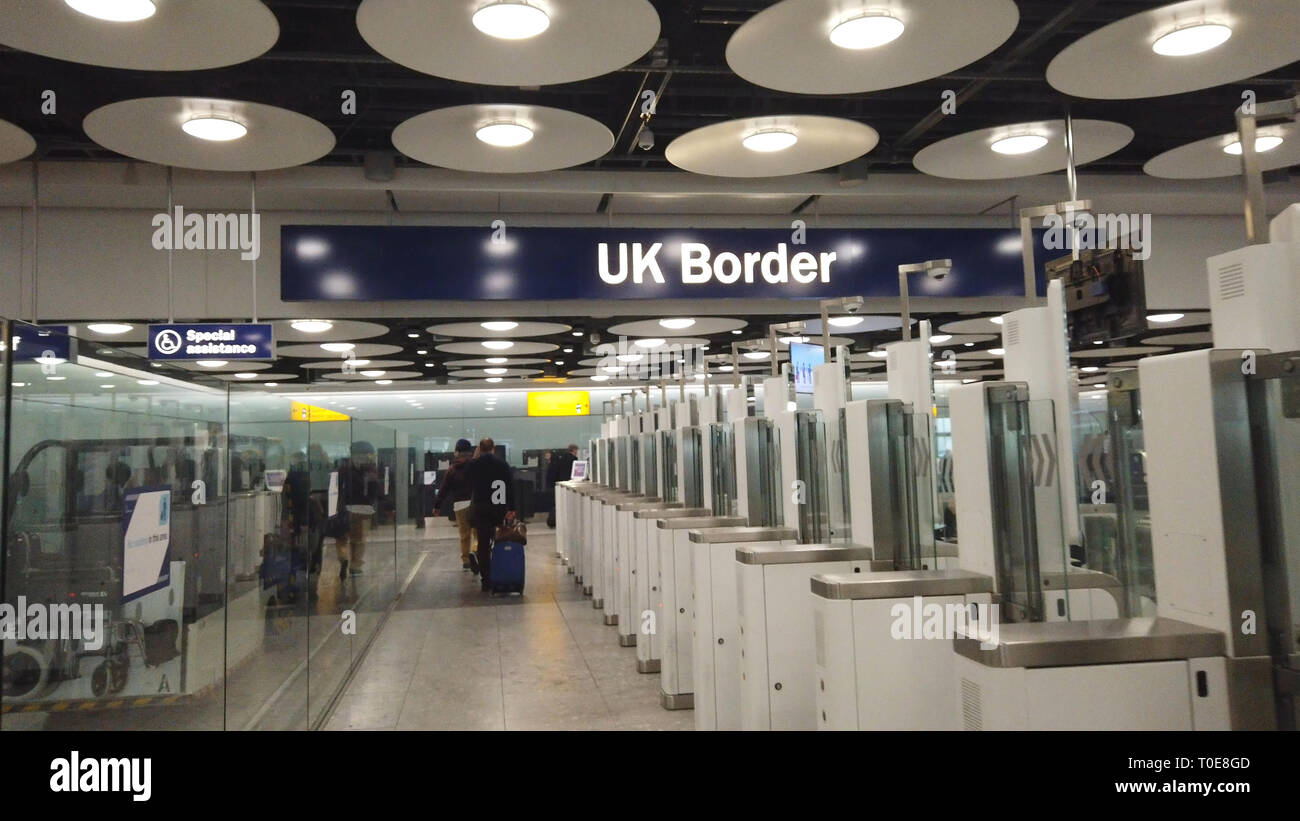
{"x":1247,"y":133}
{"x":906,"y":300}
{"x":1072,"y":178}
{"x":252,"y":224}
{"x":771,"y":340}
{"x":826,"y":331}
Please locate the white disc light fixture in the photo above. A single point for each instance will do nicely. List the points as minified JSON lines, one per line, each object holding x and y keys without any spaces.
{"x":312,"y":326}
{"x":500,"y":325}
{"x":1179,"y":47}
{"x":776,"y":146}
{"x":1020,"y":150}
{"x":855,"y":46}
{"x":115,"y":11}
{"x":510,"y":42}
{"x":143,"y":35}
{"x":502,"y":138}
{"x":1277,"y":146}
{"x":15,"y":143}
{"x":209,"y":134}
{"x":109,"y":328}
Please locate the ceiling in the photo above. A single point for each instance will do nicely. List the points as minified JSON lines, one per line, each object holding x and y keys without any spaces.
{"x":320,"y":53}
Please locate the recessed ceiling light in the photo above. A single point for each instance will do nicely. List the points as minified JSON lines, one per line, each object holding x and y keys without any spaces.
{"x":383,"y":381}
{"x":57,"y":378}
{"x":212,"y":363}
{"x":864,"y":31}
{"x":790,"y":340}
{"x":726,"y":368}
{"x":412,"y":336}
{"x":939,"y":339}
{"x":357,"y":363}
{"x":499,"y":326}
{"x":497,"y":360}
{"x":19,"y":384}
{"x":273,"y":384}
{"x":1164,"y":317}
{"x":511,"y":20}
{"x":146,"y":381}
{"x":737,"y":332}
{"x":997,"y":351}
{"x":757,"y":354}
{"x":968,"y":344}
{"x":1098,"y":342}
{"x":1099,"y":385}
{"x":600,"y":377}
{"x":504,"y":135}
{"x":429,"y":365}
{"x":498,"y":344}
{"x":1021,"y":144}
{"x":769,"y":140}
{"x":630,"y":357}
{"x":422,"y":353}
{"x":108,"y":386}
{"x":337,"y":347}
{"x":214,"y":129}
{"x":577,"y":333}
{"x":676,"y":324}
{"x":311,"y":326}
{"x":114,"y":328}
{"x":115,"y":11}
{"x":494,"y":379}
{"x":373,"y":374}
{"x":568,"y":350}
{"x":996,"y":320}
{"x":1194,"y":39}
{"x":877,"y":354}
{"x":845,"y":321}
{"x":245,"y":376}
{"x":494,"y":371}
{"x":1090,"y":369}
{"x":1262,"y":144}
{"x":649,"y":343}
{"x":560,"y":362}
{"x":104,"y":374}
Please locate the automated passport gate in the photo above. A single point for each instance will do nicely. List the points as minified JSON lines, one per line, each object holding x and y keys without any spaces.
{"x":634,"y":572}
{"x":648,"y":587}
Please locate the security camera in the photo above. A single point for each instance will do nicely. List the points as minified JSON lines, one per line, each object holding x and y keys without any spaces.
{"x":852,"y":305}
{"x":646,"y":139}
{"x":939,"y":273}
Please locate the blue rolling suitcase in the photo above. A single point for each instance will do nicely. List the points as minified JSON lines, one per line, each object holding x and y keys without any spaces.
{"x":507,"y":567}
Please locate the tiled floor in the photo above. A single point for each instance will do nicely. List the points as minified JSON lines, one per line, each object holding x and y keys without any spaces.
{"x":453,"y":658}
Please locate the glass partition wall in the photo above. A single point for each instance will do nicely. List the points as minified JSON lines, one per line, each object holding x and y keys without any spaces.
{"x":184,"y":538}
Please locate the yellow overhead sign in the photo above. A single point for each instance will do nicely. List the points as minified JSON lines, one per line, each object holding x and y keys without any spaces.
{"x":310,"y":413}
{"x":559,"y":403}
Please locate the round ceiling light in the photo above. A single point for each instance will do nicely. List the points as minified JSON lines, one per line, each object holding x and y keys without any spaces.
{"x":245,"y":376}
{"x":877,"y":354}
{"x":845,"y":321}
{"x":757,"y":354}
{"x":498,"y":344}
{"x":214,"y":129}
{"x":373,"y":374}
{"x":770,"y":140}
{"x":499,"y":326}
{"x":865,"y":31}
{"x":494,"y":379}
{"x":511,"y":20}
{"x":1022,"y":144}
{"x":650,"y":343}
{"x":998,"y":351}
{"x":494,"y":371}
{"x":600,"y":377}
{"x":212,"y":363}
{"x":1164,"y":317}
{"x":939,"y":339}
{"x":312,"y":326}
{"x":383,"y":381}
{"x":497,"y":360}
{"x":1188,"y":40}
{"x":337,"y":347}
{"x":108,"y":328}
{"x":630,"y":357}
{"x":115,"y":11}
{"x":676,"y":324}
{"x":504,"y":135}
{"x":1262,"y":144}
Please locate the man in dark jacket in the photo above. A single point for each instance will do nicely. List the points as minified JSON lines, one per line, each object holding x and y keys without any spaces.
{"x":361,"y":497}
{"x":456,"y":487}
{"x":492,"y":488}
{"x":560,"y":470}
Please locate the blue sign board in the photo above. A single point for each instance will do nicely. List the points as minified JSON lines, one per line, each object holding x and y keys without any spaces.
{"x":803,"y":358}
{"x":146,"y":541}
{"x":376,"y":262}
{"x":41,"y":342}
{"x":229,"y":341}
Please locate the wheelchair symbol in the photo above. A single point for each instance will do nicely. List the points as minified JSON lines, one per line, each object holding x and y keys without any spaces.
{"x":167,"y":342}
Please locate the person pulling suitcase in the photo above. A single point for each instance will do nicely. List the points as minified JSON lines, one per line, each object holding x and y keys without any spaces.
{"x":492,"y":500}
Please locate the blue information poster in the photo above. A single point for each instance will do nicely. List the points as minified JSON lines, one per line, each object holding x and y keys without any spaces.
{"x":146,"y":541}
{"x":803,"y":358}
